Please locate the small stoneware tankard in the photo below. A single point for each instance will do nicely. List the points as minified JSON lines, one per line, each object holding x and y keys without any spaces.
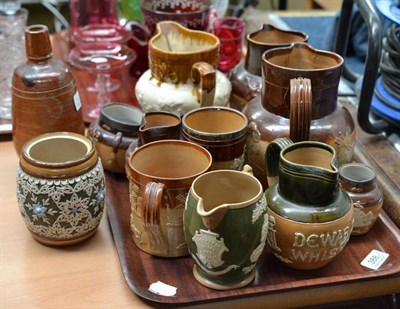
{"x":60,"y":188}
{"x":160,"y":175}
{"x":222,"y":131}
{"x":359,"y":181}
{"x":155,"y":126}
{"x":113,"y":132}
{"x":311,"y":217}
{"x":226,"y":227}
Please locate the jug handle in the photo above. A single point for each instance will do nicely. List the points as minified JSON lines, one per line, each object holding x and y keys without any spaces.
{"x":150,"y":207}
{"x":272,"y":157}
{"x":204,"y":74}
{"x":300,"y":109}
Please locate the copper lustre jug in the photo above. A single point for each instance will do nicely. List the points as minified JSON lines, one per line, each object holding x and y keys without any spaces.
{"x":298,"y":100}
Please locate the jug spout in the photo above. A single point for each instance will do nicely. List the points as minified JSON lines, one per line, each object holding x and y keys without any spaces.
{"x":212,"y":218}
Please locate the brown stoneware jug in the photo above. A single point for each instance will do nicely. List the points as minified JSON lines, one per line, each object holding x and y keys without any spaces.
{"x":298,"y":100}
{"x":246,"y":77}
{"x":44,"y":95}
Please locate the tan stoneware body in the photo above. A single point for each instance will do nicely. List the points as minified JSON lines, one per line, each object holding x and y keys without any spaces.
{"x":60,"y":188}
{"x":182,"y":74}
{"x":359,"y":181}
{"x":222,"y":131}
{"x":160,"y":175}
{"x":44,"y":95}
{"x":226,"y":227}
{"x":115,"y":130}
{"x":155,"y":126}
{"x":298,"y":100}
{"x":246,"y":77}
{"x":310,"y":216}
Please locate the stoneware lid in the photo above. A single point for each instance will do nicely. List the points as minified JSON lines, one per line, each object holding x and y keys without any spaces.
{"x":121,"y":117}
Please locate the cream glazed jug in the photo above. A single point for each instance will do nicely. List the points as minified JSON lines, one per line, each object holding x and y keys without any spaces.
{"x":182,"y":74}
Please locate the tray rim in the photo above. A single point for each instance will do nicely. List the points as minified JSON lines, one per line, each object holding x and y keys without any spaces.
{"x":257,"y":290}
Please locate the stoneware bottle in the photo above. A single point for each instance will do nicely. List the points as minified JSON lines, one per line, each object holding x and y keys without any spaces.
{"x":44,"y":96}
{"x":226,"y":227}
{"x":60,"y":188}
{"x":359,"y":181}
{"x":310,"y":216}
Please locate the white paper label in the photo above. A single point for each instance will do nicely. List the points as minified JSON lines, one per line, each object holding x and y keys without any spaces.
{"x":375,"y":259}
{"x":163,"y":289}
{"x":77,"y":101}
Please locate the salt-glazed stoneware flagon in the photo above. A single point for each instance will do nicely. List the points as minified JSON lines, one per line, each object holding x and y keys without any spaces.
{"x":60,"y":188}
{"x":113,"y":132}
{"x":160,"y":175}
{"x":298,"y":101}
{"x":359,"y":181}
{"x":44,"y":95}
{"x":310,"y":216}
{"x":246,"y":77}
{"x":226,"y":225}
{"x":222,"y":131}
{"x":182,"y":74}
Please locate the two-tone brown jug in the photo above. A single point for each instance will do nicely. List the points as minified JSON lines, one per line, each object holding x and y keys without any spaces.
{"x":44,"y":96}
{"x":246,"y":77}
{"x":310,"y":216}
{"x":299,"y":101}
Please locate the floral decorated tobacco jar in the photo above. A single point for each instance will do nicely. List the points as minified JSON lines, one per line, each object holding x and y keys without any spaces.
{"x":182,"y":74}
{"x":225,"y":225}
{"x":299,"y":101}
{"x":310,"y":216}
{"x":60,"y":188}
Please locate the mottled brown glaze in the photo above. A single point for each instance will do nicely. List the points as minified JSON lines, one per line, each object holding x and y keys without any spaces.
{"x":175,"y":49}
{"x":44,"y":95}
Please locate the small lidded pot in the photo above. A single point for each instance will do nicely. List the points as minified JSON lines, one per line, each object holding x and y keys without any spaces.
{"x":60,"y":188}
{"x":116,"y":128}
{"x":359,"y":181}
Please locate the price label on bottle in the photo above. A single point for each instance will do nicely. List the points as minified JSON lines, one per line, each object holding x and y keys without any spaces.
{"x":77,"y":101}
{"x":375,"y":259}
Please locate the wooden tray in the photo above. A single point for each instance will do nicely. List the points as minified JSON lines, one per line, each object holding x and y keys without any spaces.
{"x":141,"y":269}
